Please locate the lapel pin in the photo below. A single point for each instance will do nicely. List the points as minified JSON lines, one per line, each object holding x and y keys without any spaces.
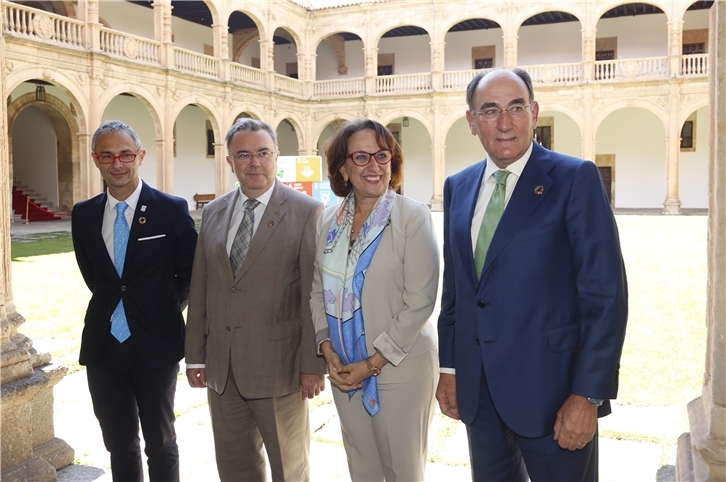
{"x":539,"y":190}
{"x":142,"y":220}
{"x":270,"y":224}
{"x":143,"y":208}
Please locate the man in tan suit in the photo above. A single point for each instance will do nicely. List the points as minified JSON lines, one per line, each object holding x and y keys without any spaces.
{"x":250,"y":337}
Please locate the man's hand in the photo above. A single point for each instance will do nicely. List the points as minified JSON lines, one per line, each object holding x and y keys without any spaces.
{"x":197,"y":377}
{"x":446,"y":395}
{"x":311,"y":385}
{"x":576,"y":423}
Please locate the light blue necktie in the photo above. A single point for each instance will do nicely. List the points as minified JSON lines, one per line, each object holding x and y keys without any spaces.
{"x":119,"y":325}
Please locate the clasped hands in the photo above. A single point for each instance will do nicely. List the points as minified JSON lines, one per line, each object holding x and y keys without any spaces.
{"x":347,"y":377}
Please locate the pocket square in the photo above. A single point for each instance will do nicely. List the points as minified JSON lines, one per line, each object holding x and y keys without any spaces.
{"x":152,"y":237}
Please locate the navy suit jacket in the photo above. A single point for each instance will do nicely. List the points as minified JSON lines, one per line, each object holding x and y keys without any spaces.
{"x":547,"y":318}
{"x":155,"y":281}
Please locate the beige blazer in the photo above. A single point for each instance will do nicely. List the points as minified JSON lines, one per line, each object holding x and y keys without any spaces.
{"x":260,"y":321}
{"x":399,"y":292}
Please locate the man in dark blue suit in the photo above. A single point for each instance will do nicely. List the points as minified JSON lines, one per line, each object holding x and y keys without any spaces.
{"x":534,"y":301}
{"x":134,"y":246}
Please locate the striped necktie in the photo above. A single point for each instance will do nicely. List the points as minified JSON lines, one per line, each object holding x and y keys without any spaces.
{"x":242,"y":239}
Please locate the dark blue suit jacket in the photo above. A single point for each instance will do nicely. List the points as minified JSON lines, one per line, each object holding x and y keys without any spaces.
{"x":547,"y":319}
{"x":155,"y":280}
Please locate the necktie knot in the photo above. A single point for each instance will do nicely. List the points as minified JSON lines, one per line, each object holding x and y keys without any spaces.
{"x":121,"y":208}
{"x":501,"y":176}
{"x":251,"y":204}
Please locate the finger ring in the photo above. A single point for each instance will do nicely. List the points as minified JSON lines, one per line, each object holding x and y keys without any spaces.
{"x":580,"y":445}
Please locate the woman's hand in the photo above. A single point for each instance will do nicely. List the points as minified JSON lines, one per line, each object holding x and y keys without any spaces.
{"x":336,"y":373}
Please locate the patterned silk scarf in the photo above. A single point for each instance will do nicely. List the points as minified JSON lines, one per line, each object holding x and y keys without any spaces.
{"x":343,"y":273}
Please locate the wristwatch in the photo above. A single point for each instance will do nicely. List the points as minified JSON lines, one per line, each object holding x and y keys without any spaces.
{"x":595,"y":402}
{"x":374,"y":370}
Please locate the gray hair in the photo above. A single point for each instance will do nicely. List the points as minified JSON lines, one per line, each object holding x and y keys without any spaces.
{"x":248,"y":124}
{"x":115,"y":126}
{"x":474,"y":84}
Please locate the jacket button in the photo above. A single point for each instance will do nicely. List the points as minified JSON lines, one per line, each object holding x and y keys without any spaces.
{"x":123,"y":288}
{"x":476,"y":341}
{"x":480,"y":304}
{"x":228,"y":328}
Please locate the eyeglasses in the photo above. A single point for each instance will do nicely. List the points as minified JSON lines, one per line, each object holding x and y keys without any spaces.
{"x":492,"y":113}
{"x":261,"y":156}
{"x":126,"y":157}
{"x":362,"y":158}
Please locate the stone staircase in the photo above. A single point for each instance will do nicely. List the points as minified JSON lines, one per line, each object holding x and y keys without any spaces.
{"x":38,"y":208}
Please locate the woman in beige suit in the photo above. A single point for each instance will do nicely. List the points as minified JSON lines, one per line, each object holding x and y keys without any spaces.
{"x":374,"y":288}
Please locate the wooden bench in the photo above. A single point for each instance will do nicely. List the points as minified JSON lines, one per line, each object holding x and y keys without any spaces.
{"x":202,"y":199}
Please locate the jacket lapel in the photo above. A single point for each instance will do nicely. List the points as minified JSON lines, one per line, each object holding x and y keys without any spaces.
{"x":144,"y":207}
{"x":524,"y":200}
{"x":269,"y":223}
{"x":95,"y":225}
{"x":461,"y":218}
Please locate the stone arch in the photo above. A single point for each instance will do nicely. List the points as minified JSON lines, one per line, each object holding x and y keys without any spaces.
{"x":296,"y":126}
{"x":143,"y":94}
{"x":59,"y":7}
{"x":599,"y":9}
{"x":66,"y":128}
{"x":602,"y":112}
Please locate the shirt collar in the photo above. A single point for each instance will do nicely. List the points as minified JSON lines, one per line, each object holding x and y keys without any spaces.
{"x":515,"y":168}
{"x":132,"y":200}
{"x":263,"y":199}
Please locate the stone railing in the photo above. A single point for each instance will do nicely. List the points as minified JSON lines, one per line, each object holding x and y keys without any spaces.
{"x":27,"y":22}
{"x":339,"y":88}
{"x":694,"y":65}
{"x":458,"y":80}
{"x":287,"y":85}
{"x":248,"y":76}
{"x":43,"y":26}
{"x":395,"y":84}
{"x":195,"y":63}
{"x":629,"y":69}
{"x":556,"y":73}
{"x":123,"y":45}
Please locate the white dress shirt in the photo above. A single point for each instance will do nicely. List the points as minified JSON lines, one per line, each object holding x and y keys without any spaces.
{"x":109,"y":216}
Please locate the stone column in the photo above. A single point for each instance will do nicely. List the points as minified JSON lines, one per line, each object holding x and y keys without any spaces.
{"x":702,"y":451}
{"x":675,"y":47}
{"x":371,"y":69}
{"x":588,"y":129}
{"x":438,"y":150}
{"x":672,"y":204}
{"x":163,"y":31}
{"x":589,"y":35}
{"x":30,"y":450}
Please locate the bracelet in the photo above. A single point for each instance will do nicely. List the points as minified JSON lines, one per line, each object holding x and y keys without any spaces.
{"x":374,"y":370}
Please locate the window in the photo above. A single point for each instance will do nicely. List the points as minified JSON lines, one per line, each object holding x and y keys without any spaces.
{"x":210,"y":140}
{"x":688,"y":134}
{"x":605,"y":55}
{"x":697,"y":48}
{"x":480,"y":64}
{"x":543,"y":136}
{"x":385,"y":70}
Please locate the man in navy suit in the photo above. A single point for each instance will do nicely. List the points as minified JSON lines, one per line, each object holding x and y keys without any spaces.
{"x":530,"y":344}
{"x":134,"y":246}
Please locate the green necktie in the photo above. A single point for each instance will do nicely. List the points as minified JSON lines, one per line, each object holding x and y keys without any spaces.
{"x":493,"y":213}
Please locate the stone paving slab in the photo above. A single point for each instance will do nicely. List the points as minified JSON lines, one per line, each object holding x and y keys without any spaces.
{"x":620,"y":460}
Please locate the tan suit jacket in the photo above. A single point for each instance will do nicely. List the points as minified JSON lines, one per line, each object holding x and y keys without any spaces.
{"x":260,"y":321}
{"x":399,"y":292}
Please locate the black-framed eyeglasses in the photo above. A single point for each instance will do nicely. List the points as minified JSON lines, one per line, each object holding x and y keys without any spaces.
{"x":247,"y":156}
{"x":492,"y":113}
{"x":362,"y":158}
{"x":126,"y":157}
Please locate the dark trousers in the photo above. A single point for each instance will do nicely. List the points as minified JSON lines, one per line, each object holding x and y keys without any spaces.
{"x":125,"y":390}
{"x":499,"y":454}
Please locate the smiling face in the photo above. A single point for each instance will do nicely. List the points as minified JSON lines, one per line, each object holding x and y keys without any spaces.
{"x":255,"y":177}
{"x":370,"y":181}
{"x":122,"y":178}
{"x":505,"y":138}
